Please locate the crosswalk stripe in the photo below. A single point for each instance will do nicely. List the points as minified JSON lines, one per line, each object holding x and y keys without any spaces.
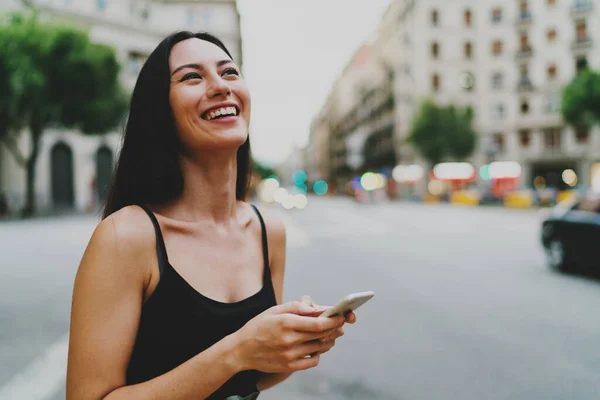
{"x":42,"y":378}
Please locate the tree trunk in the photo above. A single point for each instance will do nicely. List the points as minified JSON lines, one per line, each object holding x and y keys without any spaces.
{"x":35,"y":131}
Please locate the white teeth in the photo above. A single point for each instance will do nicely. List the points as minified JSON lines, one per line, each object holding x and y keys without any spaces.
{"x":221,"y":111}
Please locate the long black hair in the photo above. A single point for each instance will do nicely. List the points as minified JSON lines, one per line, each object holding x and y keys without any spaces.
{"x":148,"y":169}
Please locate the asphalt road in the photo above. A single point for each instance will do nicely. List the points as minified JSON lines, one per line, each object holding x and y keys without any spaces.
{"x":465,"y":307}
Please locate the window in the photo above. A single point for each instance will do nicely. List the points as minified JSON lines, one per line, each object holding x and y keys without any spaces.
{"x":552,"y":138}
{"x":467,"y":81}
{"x":524,"y":107}
{"x":551,"y":35}
{"x":552,"y":72}
{"x":524,"y":40}
{"x":552,"y":103}
{"x":496,"y":15}
{"x":498,"y":112}
{"x":581,"y":31}
{"x":498,"y":80}
{"x":524,"y":71}
{"x":582,"y":135}
{"x":468,"y":50}
{"x":435,"y":50}
{"x":435,"y":18}
{"x":499,"y":142}
{"x":100,"y":5}
{"x":524,"y":138}
{"x":497,"y":47}
{"x":468,"y":18}
{"x":134,"y":64}
{"x":581,"y":64}
{"x":435,"y":82}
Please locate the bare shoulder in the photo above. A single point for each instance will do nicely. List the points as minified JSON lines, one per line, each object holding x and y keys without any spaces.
{"x":275,"y":226}
{"x":126,"y":237}
{"x":133,"y":228}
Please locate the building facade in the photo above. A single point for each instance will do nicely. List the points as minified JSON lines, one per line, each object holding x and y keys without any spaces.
{"x":73,"y":170}
{"x":509,"y":61}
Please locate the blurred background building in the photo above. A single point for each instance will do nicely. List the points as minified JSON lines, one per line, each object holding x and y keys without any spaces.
{"x":73,"y":170}
{"x":508,"y":61}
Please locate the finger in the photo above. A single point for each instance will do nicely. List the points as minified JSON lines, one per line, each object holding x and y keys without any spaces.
{"x":312,"y":347}
{"x":333,"y":335}
{"x":309,"y":324}
{"x":306,"y":300}
{"x":304,"y":337}
{"x":350,"y":317}
{"x":293,"y":307}
{"x":304,"y":363}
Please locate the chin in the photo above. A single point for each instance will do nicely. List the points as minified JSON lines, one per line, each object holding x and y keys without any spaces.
{"x":231,"y":139}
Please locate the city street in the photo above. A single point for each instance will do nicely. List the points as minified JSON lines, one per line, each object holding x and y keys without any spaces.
{"x":465,"y":307}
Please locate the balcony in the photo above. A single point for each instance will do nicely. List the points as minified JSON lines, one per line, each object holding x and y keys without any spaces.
{"x":524,"y":18}
{"x":524,"y":54}
{"x":581,"y":8}
{"x":525,"y":85}
{"x":581,"y":46}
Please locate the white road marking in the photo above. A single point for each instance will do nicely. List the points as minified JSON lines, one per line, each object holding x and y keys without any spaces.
{"x":41,"y":379}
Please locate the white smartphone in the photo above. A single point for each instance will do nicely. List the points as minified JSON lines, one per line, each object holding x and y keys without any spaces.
{"x":348,"y":303}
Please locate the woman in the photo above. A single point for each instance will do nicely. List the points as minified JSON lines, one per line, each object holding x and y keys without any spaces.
{"x":178,"y":294}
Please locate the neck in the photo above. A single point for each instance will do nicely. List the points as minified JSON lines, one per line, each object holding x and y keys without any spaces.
{"x":209,"y":190}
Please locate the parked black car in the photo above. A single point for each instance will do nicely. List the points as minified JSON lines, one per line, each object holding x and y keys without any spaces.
{"x":571,"y":235}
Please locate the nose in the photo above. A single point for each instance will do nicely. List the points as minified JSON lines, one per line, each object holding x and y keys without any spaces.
{"x":218,"y":87}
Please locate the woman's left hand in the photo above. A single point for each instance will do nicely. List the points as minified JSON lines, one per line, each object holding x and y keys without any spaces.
{"x":350,"y":319}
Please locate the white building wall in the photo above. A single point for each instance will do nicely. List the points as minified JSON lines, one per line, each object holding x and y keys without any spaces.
{"x":416,"y":66}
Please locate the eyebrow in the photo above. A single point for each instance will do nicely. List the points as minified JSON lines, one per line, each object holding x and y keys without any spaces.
{"x":200,"y":67}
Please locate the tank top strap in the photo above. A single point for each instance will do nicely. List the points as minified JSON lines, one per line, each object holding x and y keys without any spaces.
{"x":265,"y":244}
{"x":161,"y":250}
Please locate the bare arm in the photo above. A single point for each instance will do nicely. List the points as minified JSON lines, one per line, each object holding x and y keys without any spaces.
{"x":277,"y":247}
{"x":107,"y":301}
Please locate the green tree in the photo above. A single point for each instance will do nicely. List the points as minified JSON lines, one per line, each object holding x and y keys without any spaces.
{"x":581,"y":101}
{"x":441,"y":132}
{"x":264,"y":171}
{"x":55,"y":76}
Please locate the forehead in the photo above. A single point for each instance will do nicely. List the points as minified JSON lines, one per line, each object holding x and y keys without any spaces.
{"x":195,"y":51}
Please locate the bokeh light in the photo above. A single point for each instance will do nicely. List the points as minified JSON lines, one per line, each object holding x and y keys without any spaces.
{"x":320,"y":188}
{"x":407,"y":173}
{"x":267,"y":189}
{"x":436,"y":187}
{"x":280,"y":195}
{"x":300,"y":201}
{"x":569,"y":177}
{"x":369,"y":181}
{"x":288,"y":202}
{"x":299,"y":177}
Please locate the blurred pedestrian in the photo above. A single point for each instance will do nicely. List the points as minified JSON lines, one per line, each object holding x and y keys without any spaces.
{"x":178,"y":294}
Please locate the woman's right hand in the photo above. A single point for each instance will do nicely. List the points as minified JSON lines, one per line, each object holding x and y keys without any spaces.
{"x":283,"y":338}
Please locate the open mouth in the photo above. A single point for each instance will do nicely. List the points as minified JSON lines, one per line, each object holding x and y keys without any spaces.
{"x":219,"y":113}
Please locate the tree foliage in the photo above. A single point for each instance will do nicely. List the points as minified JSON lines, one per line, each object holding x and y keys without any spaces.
{"x":264,"y":171}
{"x":438,"y":132}
{"x":581,"y":100}
{"x":53,"y":76}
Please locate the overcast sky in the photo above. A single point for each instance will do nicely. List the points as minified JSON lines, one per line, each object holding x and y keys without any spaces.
{"x":293,"y":52}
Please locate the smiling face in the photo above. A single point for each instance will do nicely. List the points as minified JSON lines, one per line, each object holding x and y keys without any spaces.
{"x":208,"y":96}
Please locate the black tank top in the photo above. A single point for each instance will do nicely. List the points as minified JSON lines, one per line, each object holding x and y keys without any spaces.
{"x":178,"y":322}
